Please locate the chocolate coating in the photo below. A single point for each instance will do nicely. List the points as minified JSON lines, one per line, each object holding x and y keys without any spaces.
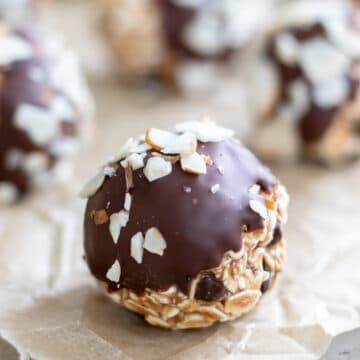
{"x":316,"y":120}
{"x":198,"y":226}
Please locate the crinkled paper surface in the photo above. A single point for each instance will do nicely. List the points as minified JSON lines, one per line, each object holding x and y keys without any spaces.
{"x":50,"y":307}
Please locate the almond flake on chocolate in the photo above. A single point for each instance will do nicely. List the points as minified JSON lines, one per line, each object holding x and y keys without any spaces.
{"x":208,"y":160}
{"x":137,"y":251}
{"x":205,"y":131}
{"x":129,"y":178}
{"x":344,"y":37}
{"x":109,"y":171}
{"x":299,"y":98}
{"x":14,"y":48}
{"x":118,"y":221}
{"x":156,"y":168}
{"x":40,"y":124}
{"x":136,"y":161}
{"x":171,"y":158}
{"x":184,"y":144}
{"x":131,"y":146}
{"x":92,"y":186}
{"x":187,"y":189}
{"x":99,"y":217}
{"x":321,"y":61}
{"x":287,"y":48}
{"x":331,"y":93}
{"x":193,"y":164}
{"x":124,"y":163}
{"x":154,"y":242}
{"x":127,"y":202}
{"x":215,"y":188}
{"x":258,"y":208}
{"x":114,"y":273}
{"x":159,"y":139}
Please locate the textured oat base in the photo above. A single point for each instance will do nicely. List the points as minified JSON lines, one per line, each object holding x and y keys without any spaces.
{"x":242,"y":273}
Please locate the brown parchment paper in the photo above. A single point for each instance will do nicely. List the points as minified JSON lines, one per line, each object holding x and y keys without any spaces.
{"x":50,"y":307}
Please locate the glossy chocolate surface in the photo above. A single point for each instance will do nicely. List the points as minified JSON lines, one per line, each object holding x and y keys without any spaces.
{"x":199,"y":226}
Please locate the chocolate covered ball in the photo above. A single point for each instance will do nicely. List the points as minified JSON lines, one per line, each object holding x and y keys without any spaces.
{"x":185,"y":227}
{"x":187,"y":42}
{"x":45,"y":108}
{"x":308,"y":87}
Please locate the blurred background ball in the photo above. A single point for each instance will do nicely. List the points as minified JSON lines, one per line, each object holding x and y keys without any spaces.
{"x":306,"y":88}
{"x":185,"y":42}
{"x":45,"y":108}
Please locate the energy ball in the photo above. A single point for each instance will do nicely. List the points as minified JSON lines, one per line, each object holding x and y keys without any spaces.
{"x":45,"y":109}
{"x":187,"y":42}
{"x":308,"y":87}
{"x":185,"y":227}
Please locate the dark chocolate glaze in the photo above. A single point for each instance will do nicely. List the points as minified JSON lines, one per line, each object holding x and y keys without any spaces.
{"x":18,"y":88}
{"x":199,"y":227}
{"x":175,"y":20}
{"x":314,"y":123}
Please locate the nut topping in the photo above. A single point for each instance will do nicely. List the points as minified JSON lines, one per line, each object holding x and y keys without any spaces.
{"x":193,"y":164}
{"x":137,"y":242}
{"x":154,"y":242}
{"x":156,"y":168}
{"x":117,"y":221}
{"x":114,"y":272}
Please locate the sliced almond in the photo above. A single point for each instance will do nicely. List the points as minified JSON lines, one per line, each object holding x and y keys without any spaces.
{"x":154,"y":242}
{"x":193,"y":164}
{"x":171,"y":158}
{"x":99,"y":217}
{"x":127,"y":202}
{"x":118,"y":221}
{"x":109,"y":171}
{"x":205,"y":130}
{"x":125,"y":149}
{"x":156,"y":168}
{"x":158,"y":139}
{"x":114,"y":273}
{"x":129,"y":178}
{"x":136,"y":161}
{"x":93,"y":185}
{"x":131,"y":146}
{"x":184,"y":144}
{"x":137,"y":242}
{"x":258,"y":208}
